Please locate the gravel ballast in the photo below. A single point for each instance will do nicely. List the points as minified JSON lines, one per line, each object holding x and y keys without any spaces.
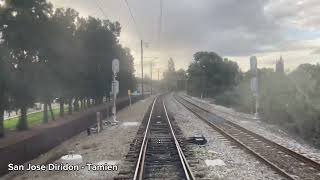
{"x":269,"y":131}
{"x":238,"y":163}
{"x":110,"y":146}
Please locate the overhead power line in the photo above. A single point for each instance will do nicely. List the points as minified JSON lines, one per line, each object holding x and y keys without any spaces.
{"x":160,"y":25}
{"x":100,"y":8}
{"x":133,"y":19}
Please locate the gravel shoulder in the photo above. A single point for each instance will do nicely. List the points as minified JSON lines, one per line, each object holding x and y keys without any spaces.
{"x":238,"y":163}
{"x":269,"y":131}
{"x":110,"y":146}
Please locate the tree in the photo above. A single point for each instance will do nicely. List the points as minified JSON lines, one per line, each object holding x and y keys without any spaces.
{"x":181,"y":77}
{"x":20,"y":25}
{"x":99,"y":47}
{"x":195,"y":77}
{"x":5,"y":79}
{"x":59,"y":53}
{"x":209,"y":74}
{"x":171,"y":66}
{"x":54,"y":54}
{"x":169,"y":76}
{"x":286,"y":100}
{"x":126,"y":74}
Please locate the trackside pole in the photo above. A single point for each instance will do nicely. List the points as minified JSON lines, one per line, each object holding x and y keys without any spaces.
{"x":254,"y":84}
{"x":129,"y":94}
{"x":108,"y":107}
{"x":256,"y":115}
{"x":115,"y":88}
{"x":114,"y":108}
{"x":99,"y":126}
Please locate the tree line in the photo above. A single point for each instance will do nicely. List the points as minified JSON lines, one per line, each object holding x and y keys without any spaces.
{"x":290,"y":100}
{"x":49,"y":53}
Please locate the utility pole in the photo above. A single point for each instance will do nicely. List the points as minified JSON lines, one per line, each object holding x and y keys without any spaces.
{"x":142,"y":90}
{"x":254,"y":84}
{"x":115,"y":87}
{"x":151,"y":63}
{"x":151,"y":69}
{"x":203,"y":77}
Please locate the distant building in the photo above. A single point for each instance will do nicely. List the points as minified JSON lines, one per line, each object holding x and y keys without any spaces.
{"x":280,"y":65}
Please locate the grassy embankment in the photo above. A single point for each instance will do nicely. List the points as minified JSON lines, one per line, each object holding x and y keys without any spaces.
{"x":33,"y":118}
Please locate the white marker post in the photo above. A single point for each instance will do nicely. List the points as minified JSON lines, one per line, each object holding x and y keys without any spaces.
{"x":254,"y":84}
{"x":115,"y":87}
{"x":99,"y":124}
{"x":129,"y":94}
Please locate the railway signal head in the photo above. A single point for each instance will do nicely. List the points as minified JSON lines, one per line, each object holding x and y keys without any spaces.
{"x":115,"y":66}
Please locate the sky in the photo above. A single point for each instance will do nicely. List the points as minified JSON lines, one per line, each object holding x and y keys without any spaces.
{"x":235,"y":29}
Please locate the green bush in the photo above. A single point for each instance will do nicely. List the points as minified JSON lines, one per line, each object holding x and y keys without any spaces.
{"x":228,"y":98}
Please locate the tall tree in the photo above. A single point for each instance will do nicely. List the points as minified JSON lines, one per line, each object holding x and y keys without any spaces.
{"x":214,"y":73}
{"x":170,"y":76}
{"x":56,"y":54}
{"x":171,"y":66}
{"x":99,"y":45}
{"x":126,"y":74}
{"x":20,"y":25}
{"x":58,"y":51}
{"x":5,"y":79}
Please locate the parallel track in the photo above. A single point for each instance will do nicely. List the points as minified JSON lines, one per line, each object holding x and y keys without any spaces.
{"x":285,"y":161}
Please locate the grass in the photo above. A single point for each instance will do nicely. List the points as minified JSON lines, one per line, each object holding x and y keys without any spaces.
{"x":33,"y":118}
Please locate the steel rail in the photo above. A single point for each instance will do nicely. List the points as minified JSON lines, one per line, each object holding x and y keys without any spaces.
{"x":143,"y":146}
{"x":139,"y":169}
{"x":301,"y":157}
{"x":221,"y":111}
{"x":252,"y":151}
{"x":184,"y":162}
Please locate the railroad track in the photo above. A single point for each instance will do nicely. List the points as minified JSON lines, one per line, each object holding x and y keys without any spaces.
{"x":156,"y":152}
{"x":286,"y":162}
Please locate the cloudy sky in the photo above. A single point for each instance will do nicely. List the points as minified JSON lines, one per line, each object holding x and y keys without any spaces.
{"x":236,"y":29}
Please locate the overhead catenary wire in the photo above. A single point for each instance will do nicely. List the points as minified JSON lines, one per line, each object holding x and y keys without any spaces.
{"x":133,"y":19}
{"x":97,"y":2}
{"x":160,"y":24}
{"x":139,"y":35}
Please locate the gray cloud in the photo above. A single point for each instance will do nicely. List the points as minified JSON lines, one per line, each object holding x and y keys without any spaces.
{"x":229,"y":27}
{"x":300,"y":14}
{"x":317,"y":51}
